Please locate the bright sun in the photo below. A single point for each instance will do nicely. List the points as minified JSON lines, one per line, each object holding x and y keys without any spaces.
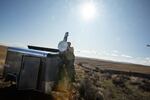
{"x":88,"y":11}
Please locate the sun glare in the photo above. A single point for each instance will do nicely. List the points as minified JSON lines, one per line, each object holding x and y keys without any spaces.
{"x":88,"y":11}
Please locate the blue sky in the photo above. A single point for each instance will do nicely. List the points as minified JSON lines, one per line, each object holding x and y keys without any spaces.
{"x":120,"y":29}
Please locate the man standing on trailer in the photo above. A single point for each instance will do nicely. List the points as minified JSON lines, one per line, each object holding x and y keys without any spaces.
{"x":67,"y":54}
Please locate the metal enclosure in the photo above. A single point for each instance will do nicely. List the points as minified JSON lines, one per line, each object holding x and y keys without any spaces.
{"x":29,"y":73}
{"x":13,"y":63}
{"x":32,"y":70}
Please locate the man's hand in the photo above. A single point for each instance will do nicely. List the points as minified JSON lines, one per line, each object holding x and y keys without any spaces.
{"x":66,"y":36}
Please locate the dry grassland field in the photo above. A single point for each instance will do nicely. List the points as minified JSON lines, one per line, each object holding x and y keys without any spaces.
{"x":120,"y":66}
{"x":109,"y":80}
{"x":96,"y":80}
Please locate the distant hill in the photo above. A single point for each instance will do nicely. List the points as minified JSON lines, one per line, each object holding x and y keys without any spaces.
{"x":107,"y":64}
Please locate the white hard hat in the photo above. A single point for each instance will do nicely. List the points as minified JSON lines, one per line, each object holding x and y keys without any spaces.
{"x":62,"y":46}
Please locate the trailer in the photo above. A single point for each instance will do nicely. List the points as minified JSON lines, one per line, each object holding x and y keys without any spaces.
{"x":30,"y":69}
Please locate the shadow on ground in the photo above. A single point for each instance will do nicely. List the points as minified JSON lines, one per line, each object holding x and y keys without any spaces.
{"x":11,"y":93}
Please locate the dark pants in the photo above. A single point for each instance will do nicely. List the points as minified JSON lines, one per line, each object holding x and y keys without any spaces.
{"x":70,"y":69}
{"x":67,"y":66}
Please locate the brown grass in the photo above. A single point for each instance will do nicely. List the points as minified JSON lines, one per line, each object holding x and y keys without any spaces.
{"x":105,"y":64}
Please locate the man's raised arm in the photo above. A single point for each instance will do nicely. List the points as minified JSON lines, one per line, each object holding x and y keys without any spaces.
{"x":66,"y":36}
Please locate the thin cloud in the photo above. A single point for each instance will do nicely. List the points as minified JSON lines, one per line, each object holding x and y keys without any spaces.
{"x":126,"y":56}
{"x":115,"y":51}
{"x":115,"y":55}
